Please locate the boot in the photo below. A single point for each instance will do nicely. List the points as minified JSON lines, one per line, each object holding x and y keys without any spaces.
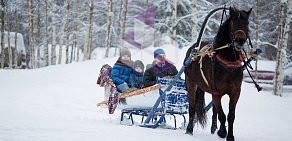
{"x":123,"y":101}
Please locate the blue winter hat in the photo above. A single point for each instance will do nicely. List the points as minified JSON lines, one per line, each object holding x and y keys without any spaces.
{"x":158,"y":52}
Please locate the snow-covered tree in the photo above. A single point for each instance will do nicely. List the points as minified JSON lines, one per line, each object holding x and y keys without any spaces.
{"x":38,"y":57}
{"x":8,"y":26}
{"x":63,"y":37}
{"x":46,"y":49}
{"x":123,"y":19}
{"x":68,"y":30}
{"x":284,"y":25}
{"x":87,"y":50}
{"x":54,"y":42}
{"x":174,"y":13}
{"x":189,"y":17}
{"x":194,"y":20}
{"x":31,"y":34}
{"x":2,"y":33}
{"x":15,"y":39}
{"x":109,"y":27}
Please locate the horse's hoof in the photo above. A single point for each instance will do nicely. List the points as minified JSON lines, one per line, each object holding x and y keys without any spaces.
{"x":222,"y":133}
{"x":230,"y":138}
{"x":189,"y":133}
{"x":213,"y":129}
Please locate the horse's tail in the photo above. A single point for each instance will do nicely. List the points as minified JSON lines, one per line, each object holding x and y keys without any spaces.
{"x":200,"y":113}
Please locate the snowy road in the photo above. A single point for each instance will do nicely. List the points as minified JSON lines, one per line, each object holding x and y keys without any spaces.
{"x":58,"y":103}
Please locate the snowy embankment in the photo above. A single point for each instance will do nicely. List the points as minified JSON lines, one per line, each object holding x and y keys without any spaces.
{"x":58,"y":103}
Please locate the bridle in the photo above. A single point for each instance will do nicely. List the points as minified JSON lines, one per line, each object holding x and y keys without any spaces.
{"x":235,"y":35}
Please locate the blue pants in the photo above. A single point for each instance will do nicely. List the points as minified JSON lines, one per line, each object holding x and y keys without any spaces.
{"x":122,"y":87}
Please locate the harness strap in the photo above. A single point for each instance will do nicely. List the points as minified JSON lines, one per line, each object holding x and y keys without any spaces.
{"x":207,"y":50}
{"x":225,"y":46}
{"x":214,"y":89}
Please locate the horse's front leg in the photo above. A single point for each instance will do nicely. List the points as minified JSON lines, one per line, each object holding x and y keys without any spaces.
{"x":221,"y":116}
{"x":214,"y":120}
{"x":191,"y":87}
{"x":231,"y":115}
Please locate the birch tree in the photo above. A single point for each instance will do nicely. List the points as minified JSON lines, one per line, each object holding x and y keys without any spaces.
{"x":15,"y":39}
{"x":46,"y":50}
{"x":63,"y":37}
{"x":257,"y":36}
{"x":109,"y":27}
{"x":77,"y":32}
{"x":87,"y":53}
{"x":31,"y":34}
{"x":8,"y":40}
{"x":123,"y":20}
{"x":53,"y":47}
{"x":38,"y":57}
{"x":174,"y":12}
{"x":67,"y":31}
{"x":2,"y":33}
{"x":284,"y":26}
{"x":194,"y":20}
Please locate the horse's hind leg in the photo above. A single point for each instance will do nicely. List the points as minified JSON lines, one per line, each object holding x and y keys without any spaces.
{"x":191,"y":87}
{"x":214,"y":120}
{"x":231,"y":115}
{"x":221,"y":116}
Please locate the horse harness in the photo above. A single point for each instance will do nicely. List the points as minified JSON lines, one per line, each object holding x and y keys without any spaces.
{"x":230,"y":66}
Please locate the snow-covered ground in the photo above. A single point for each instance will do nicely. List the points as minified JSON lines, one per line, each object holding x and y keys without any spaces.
{"x":59,"y":103}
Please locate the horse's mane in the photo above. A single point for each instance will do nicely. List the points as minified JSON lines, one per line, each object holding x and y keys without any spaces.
{"x":222,"y":37}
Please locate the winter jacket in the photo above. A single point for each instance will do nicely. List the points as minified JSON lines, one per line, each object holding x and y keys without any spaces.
{"x":155,"y":71}
{"x":121,"y":72}
{"x":136,"y":79}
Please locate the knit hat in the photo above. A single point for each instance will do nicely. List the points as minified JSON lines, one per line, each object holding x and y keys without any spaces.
{"x":138,"y":63}
{"x":125,"y":51}
{"x":158,"y":52}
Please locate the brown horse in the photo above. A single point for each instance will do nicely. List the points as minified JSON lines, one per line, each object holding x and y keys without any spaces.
{"x":223,"y":74}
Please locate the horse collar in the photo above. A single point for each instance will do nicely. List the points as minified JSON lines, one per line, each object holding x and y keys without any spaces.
{"x":227,"y":63}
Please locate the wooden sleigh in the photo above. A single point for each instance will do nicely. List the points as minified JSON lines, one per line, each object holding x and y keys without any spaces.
{"x":171,"y":101}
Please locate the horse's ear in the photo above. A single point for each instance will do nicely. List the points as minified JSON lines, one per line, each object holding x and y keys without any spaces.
{"x":232,"y":11}
{"x":249,"y":11}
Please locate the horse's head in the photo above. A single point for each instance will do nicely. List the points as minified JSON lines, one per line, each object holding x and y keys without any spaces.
{"x":238,"y":26}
